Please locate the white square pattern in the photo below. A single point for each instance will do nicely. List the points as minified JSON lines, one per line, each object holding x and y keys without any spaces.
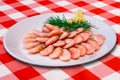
{"x":5,"y":7}
{"x":88,"y":66}
{"x":99,"y":4}
{"x":116,"y":51}
{"x":4,"y":70}
{"x":115,"y":12}
{"x":26,"y":2}
{"x":16,"y":15}
{"x":40,"y":9}
{"x":114,"y":76}
{"x":53,"y":75}
{"x":116,"y":28}
{"x":2,"y":32}
{"x":62,"y":3}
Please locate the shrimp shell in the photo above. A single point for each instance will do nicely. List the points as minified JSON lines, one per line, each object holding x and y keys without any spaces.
{"x":69,"y":43}
{"x":82,"y":49}
{"x":55,"y":32}
{"x":64,"y":35}
{"x":47,"y":30}
{"x":78,"y":39}
{"x":31,"y":45}
{"x":56,"y":53}
{"x":48,"y":50}
{"x":52,"y":40}
{"x":41,"y":40}
{"x":65,"y":55}
{"x":51,"y":27}
{"x":72,"y":34}
{"x":59,"y":43}
{"x":75,"y":53}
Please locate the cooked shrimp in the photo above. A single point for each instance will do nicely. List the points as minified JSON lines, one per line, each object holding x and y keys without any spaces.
{"x":94,"y":44}
{"x":55,"y":32}
{"x":52,"y":40}
{"x":64,"y":35}
{"x":27,"y":40}
{"x":41,"y":40}
{"x":56,"y":53}
{"x":51,"y":27}
{"x":69,"y":43}
{"x":82,"y":49}
{"x":85,"y":36}
{"x":72,"y":34}
{"x":30,"y":35}
{"x":48,"y":50}
{"x":59,"y":43}
{"x":31,"y":45}
{"x":65,"y":55}
{"x":79,"y":30}
{"x":47,"y":30}
{"x":41,"y":34}
{"x":88,"y":31}
{"x":98,"y":38}
{"x":36,"y":49}
{"x":89,"y":48}
{"x":75,"y":53}
{"x":78,"y":39}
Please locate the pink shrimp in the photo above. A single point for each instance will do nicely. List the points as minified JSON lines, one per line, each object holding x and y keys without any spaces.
{"x":40,"y":34}
{"x":79,"y":30}
{"x":36,"y":49}
{"x":52,"y":40}
{"x":98,"y":38}
{"x":56,"y":53}
{"x":69,"y":43}
{"x":72,"y":34}
{"x":78,"y":39}
{"x":41,"y":40}
{"x":88,"y":31}
{"x":51,"y":27}
{"x":64,"y":35}
{"x":55,"y":32}
{"x":82,"y":49}
{"x":94,"y":44}
{"x":75,"y":53}
{"x":59,"y":43}
{"x":65,"y":55}
{"x":89,"y":48}
{"x":30,"y":35}
{"x":27,"y":40}
{"x":85,"y":36}
{"x":47,"y":30}
{"x":31,"y":45}
{"x":47,"y":51}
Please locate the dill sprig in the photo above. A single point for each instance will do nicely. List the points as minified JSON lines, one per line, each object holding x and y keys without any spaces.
{"x":68,"y":26}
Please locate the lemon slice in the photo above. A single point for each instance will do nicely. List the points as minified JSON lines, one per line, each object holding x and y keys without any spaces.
{"x":79,"y":16}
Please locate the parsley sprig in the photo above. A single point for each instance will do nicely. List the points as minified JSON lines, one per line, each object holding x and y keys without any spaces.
{"x":68,"y":26}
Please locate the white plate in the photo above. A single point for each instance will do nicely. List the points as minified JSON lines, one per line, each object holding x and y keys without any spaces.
{"x":13,"y":41}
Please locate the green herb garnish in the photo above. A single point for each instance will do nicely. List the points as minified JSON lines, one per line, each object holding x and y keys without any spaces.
{"x":68,"y":26}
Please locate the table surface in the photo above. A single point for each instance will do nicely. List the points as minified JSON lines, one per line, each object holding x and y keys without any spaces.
{"x":106,"y":68}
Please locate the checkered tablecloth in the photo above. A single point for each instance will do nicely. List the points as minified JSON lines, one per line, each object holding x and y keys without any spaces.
{"x":107,"y":68}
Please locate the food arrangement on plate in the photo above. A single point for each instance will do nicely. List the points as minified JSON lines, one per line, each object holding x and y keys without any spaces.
{"x":64,"y":39}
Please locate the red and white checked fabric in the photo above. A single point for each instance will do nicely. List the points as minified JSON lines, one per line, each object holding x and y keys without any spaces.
{"x":107,"y":68}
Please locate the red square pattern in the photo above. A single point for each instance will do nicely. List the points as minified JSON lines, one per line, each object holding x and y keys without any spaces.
{"x":81,"y":3}
{"x":8,"y":24}
{"x":116,"y":5}
{"x":2,"y":14}
{"x":98,"y":11}
{"x":113,"y":64}
{"x":26,"y":73}
{"x":22,"y":8}
{"x":10,"y":1}
{"x":115,"y":19}
{"x":44,"y":2}
{"x":118,"y":38}
{"x":85,"y":75}
{"x":59,"y":9}
{"x":6,"y":58}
